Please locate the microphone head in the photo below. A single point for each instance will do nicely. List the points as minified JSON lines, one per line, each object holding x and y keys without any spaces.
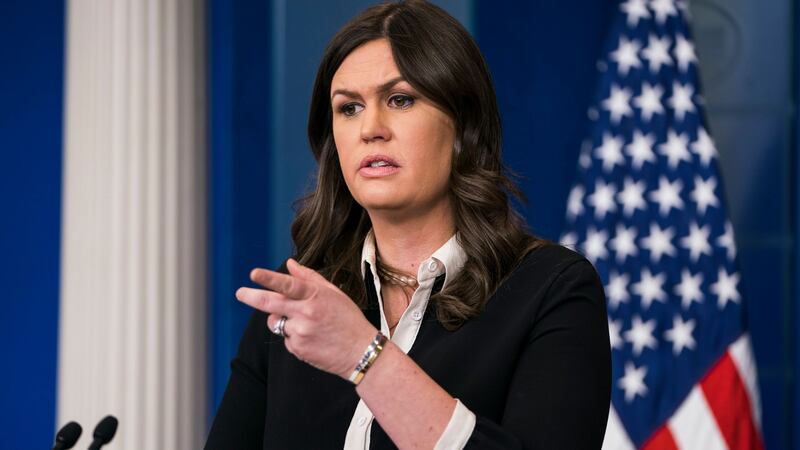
{"x":68,"y":435}
{"x":106,"y":429}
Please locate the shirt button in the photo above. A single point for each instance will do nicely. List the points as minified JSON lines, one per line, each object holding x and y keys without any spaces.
{"x":432,"y":266}
{"x":361,"y":421}
{"x":417,"y":315}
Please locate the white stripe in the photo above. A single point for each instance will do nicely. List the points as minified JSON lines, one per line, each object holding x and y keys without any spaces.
{"x":693,"y":425}
{"x":742,"y":354}
{"x":616,"y":438}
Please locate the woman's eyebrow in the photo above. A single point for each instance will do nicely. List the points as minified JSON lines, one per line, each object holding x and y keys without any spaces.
{"x":385,"y":87}
{"x":346,"y":93}
{"x":382,"y":89}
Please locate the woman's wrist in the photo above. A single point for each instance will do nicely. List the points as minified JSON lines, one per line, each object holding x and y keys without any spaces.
{"x":370,"y":355}
{"x":349,"y":362}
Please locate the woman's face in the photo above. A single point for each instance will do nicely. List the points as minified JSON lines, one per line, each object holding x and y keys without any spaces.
{"x":394,"y":145}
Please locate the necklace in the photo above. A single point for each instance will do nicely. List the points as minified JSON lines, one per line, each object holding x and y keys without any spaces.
{"x":393,"y":276}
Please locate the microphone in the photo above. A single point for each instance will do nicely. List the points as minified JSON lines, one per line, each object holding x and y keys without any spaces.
{"x":104,"y":432}
{"x":67,"y":436}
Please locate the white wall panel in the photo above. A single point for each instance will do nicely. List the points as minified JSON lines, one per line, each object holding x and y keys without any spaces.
{"x":133,"y":327}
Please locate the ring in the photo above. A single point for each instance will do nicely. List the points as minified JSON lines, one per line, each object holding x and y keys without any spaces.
{"x":279,"y":327}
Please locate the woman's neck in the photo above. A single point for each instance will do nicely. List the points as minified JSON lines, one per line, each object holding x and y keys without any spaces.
{"x":403,"y":244}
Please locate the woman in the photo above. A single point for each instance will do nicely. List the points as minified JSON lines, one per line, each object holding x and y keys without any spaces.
{"x":415,"y":280}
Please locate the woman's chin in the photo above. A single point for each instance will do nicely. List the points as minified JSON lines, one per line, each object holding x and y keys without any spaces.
{"x":382,"y":205}
{"x":380,"y":197}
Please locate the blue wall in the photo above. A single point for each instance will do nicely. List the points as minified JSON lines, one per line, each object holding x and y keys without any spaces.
{"x":31,"y":91}
{"x":543,"y":60}
{"x":239,"y":161}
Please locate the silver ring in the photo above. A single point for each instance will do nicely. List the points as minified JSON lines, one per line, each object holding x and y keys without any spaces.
{"x":279,"y":327}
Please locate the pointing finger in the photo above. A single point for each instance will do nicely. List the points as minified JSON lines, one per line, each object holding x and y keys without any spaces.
{"x":266,"y":301}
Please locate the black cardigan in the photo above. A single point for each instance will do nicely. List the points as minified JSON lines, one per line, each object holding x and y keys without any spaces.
{"x":534,"y":367}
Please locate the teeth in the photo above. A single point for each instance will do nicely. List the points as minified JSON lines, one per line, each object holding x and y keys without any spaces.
{"x":379,"y":164}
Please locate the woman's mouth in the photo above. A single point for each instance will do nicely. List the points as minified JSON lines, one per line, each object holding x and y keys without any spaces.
{"x":375,"y":166}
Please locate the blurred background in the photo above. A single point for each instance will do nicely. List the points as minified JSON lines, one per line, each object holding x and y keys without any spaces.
{"x":150,"y":153}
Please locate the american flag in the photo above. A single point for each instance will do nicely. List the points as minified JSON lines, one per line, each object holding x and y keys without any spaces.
{"x":648,"y":211}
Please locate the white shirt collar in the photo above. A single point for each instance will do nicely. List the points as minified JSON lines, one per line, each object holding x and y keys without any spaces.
{"x":448,"y":259}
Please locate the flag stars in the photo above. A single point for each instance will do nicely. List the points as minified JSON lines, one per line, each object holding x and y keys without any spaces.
{"x":649,"y":209}
{"x":649,"y":101}
{"x":725,"y":288}
{"x":618,"y":103}
{"x":684,"y":53}
{"x":703,"y":193}
{"x":726,"y":241}
{"x":640,"y":335}
{"x":617,"y":289}
{"x":681,"y":100}
{"x":704,"y":147}
{"x":659,"y":242}
{"x":681,"y":335}
{"x":626,"y":55}
{"x":668,"y":195}
{"x":610,"y":152}
{"x":650,"y":288}
{"x":657,"y":52}
{"x":632,"y":197}
{"x":689,"y":289}
{"x":675,"y":149}
{"x":697,"y":241}
{"x":635,"y":10}
{"x":595,"y":245}
{"x":663,"y":9}
{"x":641,"y":149}
{"x":633,"y":381}
{"x":602,"y":199}
{"x":623,"y":243}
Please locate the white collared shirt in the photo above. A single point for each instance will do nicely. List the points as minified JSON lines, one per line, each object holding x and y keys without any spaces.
{"x":447,"y":260}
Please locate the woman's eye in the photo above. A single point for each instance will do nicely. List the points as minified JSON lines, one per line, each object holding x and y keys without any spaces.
{"x":401,"y":101}
{"x":350,"y":109}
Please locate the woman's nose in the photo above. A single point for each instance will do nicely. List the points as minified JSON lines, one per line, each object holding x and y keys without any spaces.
{"x":374,"y":125}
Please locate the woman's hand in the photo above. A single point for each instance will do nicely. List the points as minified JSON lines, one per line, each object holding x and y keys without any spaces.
{"x":324,"y":327}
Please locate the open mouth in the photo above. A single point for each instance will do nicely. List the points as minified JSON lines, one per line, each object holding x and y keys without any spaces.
{"x":378,"y":166}
{"x":374,"y":161}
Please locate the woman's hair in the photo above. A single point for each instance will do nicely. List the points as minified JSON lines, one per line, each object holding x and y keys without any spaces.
{"x":437,"y":56}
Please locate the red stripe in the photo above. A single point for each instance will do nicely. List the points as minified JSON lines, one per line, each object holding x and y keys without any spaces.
{"x":727,"y":396}
{"x":661,"y":440}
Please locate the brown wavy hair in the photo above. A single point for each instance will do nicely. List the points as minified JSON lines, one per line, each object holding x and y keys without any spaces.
{"x":437,"y":56}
